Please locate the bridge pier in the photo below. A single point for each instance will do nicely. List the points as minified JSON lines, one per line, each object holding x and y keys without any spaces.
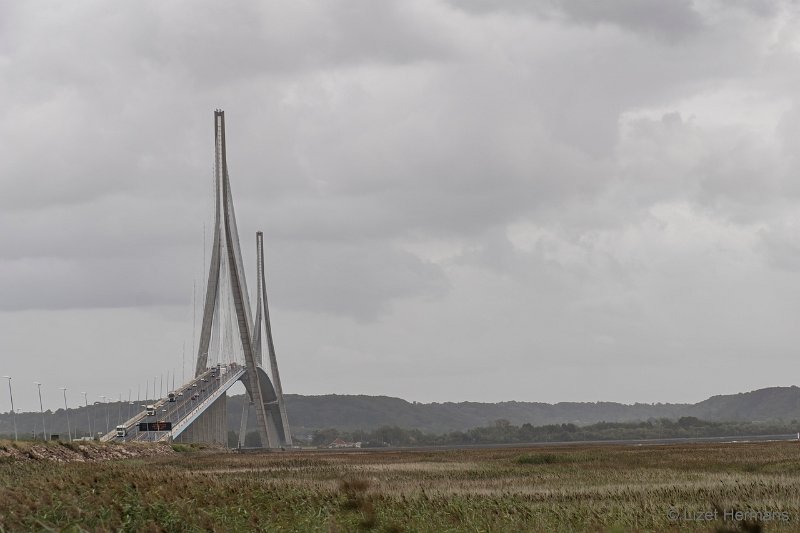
{"x":211,"y":427}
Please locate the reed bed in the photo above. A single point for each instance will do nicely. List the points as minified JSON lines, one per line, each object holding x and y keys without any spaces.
{"x":573,"y":488}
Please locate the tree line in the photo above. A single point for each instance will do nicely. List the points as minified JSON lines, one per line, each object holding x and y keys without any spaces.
{"x":503,"y":432}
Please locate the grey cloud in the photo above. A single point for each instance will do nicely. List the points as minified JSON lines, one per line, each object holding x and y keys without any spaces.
{"x":762,"y":8}
{"x":212,"y":42}
{"x":728,"y":169}
{"x":360,"y":132}
{"x":664,"y":19}
{"x":279,"y":40}
{"x":355,"y":279}
{"x":52,"y":283}
{"x":489,"y":164}
{"x":781,"y":246}
{"x":461,"y":147}
{"x":669,"y":20}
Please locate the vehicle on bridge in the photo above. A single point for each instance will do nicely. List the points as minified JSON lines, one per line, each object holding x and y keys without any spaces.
{"x":171,"y":396}
{"x":151,"y":410}
{"x":122,"y":431}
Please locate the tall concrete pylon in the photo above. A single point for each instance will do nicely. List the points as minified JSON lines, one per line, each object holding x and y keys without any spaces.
{"x":226,"y":252}
{"x":262,"y":315}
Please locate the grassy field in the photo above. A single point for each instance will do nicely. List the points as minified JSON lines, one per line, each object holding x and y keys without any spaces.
{"x":575,"y":488}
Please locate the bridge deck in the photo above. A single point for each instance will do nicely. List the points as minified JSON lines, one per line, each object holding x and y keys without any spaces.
{"x":191,"y":400}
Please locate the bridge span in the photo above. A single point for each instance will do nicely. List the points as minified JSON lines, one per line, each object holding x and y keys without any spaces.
{"x":230,"y":347}
{"x":196,"y":407}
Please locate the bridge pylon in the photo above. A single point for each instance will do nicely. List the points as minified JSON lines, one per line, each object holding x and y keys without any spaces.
{"x":262,"y":318}
{"x":226,"y":258}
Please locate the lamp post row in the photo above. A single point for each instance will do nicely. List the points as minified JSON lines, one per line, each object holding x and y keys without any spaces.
{"x":66,"y":409}
{"x":41,"y":410}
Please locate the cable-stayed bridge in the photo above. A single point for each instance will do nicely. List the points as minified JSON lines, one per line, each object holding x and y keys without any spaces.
{"x":230,"y":348}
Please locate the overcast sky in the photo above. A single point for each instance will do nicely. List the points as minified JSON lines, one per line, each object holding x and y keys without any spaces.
{"x":553,"y":200}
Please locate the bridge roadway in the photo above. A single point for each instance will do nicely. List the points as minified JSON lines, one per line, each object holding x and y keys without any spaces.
{"x":191,"y":400}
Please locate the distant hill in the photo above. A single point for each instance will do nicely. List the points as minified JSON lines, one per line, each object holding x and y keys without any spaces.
{"x":365,"y":412}
{"x":354,"y":412}
{"x":774,"y":403}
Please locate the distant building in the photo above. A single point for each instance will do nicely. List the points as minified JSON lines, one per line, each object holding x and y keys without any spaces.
{"x":339,"y":443}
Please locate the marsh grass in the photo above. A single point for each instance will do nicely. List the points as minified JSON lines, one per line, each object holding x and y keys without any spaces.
{"x":554,"y":458}
{"x":573,"y":488}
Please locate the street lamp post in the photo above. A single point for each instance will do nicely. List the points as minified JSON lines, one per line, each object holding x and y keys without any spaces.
{"x":88,"y":418}
{"x":14,"y":413}
{"x":69,"y":429}
{"x":95,"y":404}
{"x":105,"y":401}
{"x":41,"y":409}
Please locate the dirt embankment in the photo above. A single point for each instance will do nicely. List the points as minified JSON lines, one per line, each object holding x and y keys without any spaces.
{"x":63,"y":452}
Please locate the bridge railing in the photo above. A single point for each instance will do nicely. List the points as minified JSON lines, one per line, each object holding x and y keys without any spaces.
{"x":158,"y":404}
{"x":231,"y":377}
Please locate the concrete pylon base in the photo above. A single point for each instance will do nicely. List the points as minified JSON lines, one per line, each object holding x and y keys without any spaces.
{"x":211,"y":427}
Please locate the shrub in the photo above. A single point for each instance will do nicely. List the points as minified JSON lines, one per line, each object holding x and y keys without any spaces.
{"x":541,"y":459}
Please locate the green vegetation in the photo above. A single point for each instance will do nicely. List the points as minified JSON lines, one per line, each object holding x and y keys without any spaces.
{"x":359,"y":412}
{"x":549,"y":458}
{"x":561,"y":488}
{"x":503,"y":432}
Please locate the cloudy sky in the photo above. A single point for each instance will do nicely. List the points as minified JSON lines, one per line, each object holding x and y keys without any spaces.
{"x":545,"y":200}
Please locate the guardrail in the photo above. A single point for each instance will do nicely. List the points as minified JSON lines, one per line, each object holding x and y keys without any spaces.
{"x":134,"y":420}
{"x":177,"y":428}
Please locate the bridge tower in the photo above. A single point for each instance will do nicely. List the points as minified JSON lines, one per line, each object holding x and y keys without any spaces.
{"x":262,"y":315}
{"x":226,"y":257}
